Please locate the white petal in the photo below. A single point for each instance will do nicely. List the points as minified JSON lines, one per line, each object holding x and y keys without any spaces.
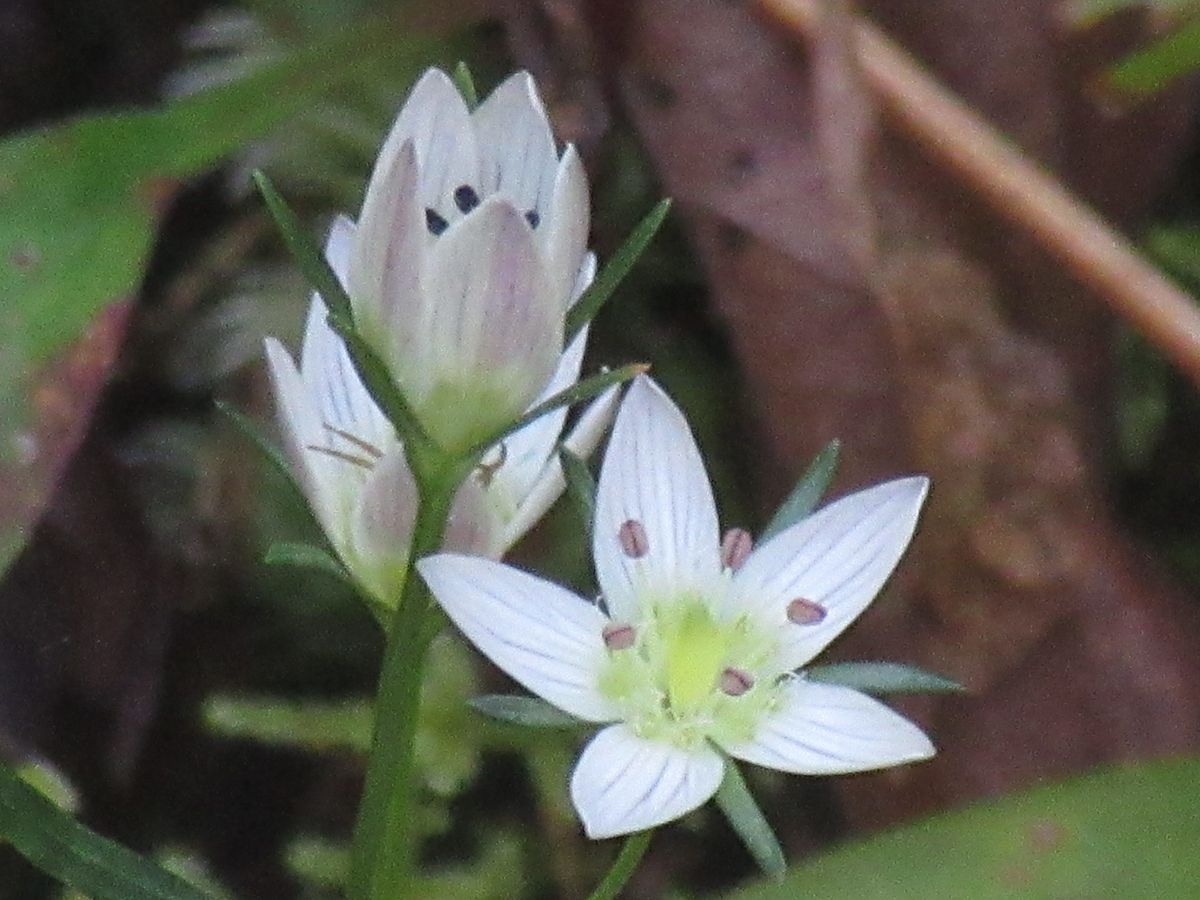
{"x":339,"y":247}
{"x":563,"y":233}
{"x":388,"y":261}
{"x":585,"y":276}
{"x":545,"y":637}
{"x":826,"y":729}
{"x":653,"y":475}
{"x":341,"y":399}
{"x":517,"y":156}
{"x":383,"y":525}
{"x":838,"y":557}
{"x":495,"y":323}
{"x":435,"y":119}
{"x":300,"y":425}
{"x":624,"y":783}
{"x":473,"y":527}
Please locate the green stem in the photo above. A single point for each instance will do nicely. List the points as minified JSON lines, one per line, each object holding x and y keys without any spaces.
{"x":385,"y":835}
{"x":627,"y":860}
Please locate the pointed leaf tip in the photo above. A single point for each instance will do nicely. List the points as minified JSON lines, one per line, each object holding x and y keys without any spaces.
{"x":807,"y":493}
{"x":516,"y":709}
{"x":615,"y":270}
{"x":308,"y":256}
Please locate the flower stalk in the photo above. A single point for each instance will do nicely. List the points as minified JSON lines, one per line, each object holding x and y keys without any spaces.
{"x":385,"y":834}
{"x":623,"y":866}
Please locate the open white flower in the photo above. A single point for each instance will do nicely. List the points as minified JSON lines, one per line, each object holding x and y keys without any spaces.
{"x":351,"y":466}
{"x":471,"y":247}
{"x":695,"y":645}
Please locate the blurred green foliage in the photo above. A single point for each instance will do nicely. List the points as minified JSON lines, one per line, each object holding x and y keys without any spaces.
{"x":1127,"y":831}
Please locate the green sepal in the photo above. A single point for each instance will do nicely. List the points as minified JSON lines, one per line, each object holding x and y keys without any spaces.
{"x":614,"y":271}
{"x":251,"y":431}
{"x":581,"y":487}
{"x":807,"y":493}
{"x":516,"y":709}
{"x":311,"y":260}
{"x":883,"y":678}
{"x":576,"y":393}
{"x":465,"y":82}
{"x":76,"y":856}
{"x":741,"y":809}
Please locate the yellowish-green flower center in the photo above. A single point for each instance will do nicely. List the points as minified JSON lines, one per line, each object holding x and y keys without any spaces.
{"x":668,"y":682}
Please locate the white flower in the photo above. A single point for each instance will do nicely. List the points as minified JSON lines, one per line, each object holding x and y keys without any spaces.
{"x":693,"y":648}
{"x":346,"y":457}
{"x":471,"y":246}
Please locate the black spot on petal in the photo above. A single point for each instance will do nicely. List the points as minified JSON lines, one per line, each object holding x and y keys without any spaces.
{"x":434,"y":222}
{"x":532,"y":217}
{"x":465,"y":198}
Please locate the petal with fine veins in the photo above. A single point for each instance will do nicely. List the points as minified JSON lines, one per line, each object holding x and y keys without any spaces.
{"x":300,"y":425}
{"x":542,"y":635}
{"x":653,"y":477}
{"x":387,"y":263}
{"x":383,"y":524}
{"x":495,"y":323}
{"x":839,"y":558}
{"x":826,"y":729}
{"x":517,"y":156}
{"x":563,"y":233}
{"x":624,"y":783}
{"x":332,"y":383}
{"x":435,"y":119}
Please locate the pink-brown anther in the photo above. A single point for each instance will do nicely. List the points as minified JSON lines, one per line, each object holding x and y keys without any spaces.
{"x":805,"y":612}
{"x":735,"y":682}
{"x":735,"y":547}
{"x":618,"y":636}
{"x":632,"y":535}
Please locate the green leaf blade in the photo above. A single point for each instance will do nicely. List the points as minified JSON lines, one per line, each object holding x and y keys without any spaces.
{"x":581,"y":487}
{"x":742,"y":811}
{"x":615,"y":270}
{"x":304,"y":251}
{"x":77,"y":856}
{"x":517,"y":709}
{"x":883,"y":678}
{"x":1114,"y":832}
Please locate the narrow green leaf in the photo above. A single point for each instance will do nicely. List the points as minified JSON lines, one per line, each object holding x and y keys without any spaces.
{"x":807,"y":493}
{"x":615,"y":270}
{"x":250,"y":430}
{"x":305,"y":556}
{"x":883,"y":678}
{"x":382,"y":387}
{"x":1152,"y":69}
{"x":282,"y":722}
{"x":581,"y":487}
{"x":308,"y":256}
{"x":521,"y":710}
{"x":576,"y":393}
{"x":465,"y":82}
{"x":740,"y":808}
{"x":76,"y":856}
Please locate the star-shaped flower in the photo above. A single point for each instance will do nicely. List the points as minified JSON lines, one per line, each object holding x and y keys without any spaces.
{"x":694,"y":649}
